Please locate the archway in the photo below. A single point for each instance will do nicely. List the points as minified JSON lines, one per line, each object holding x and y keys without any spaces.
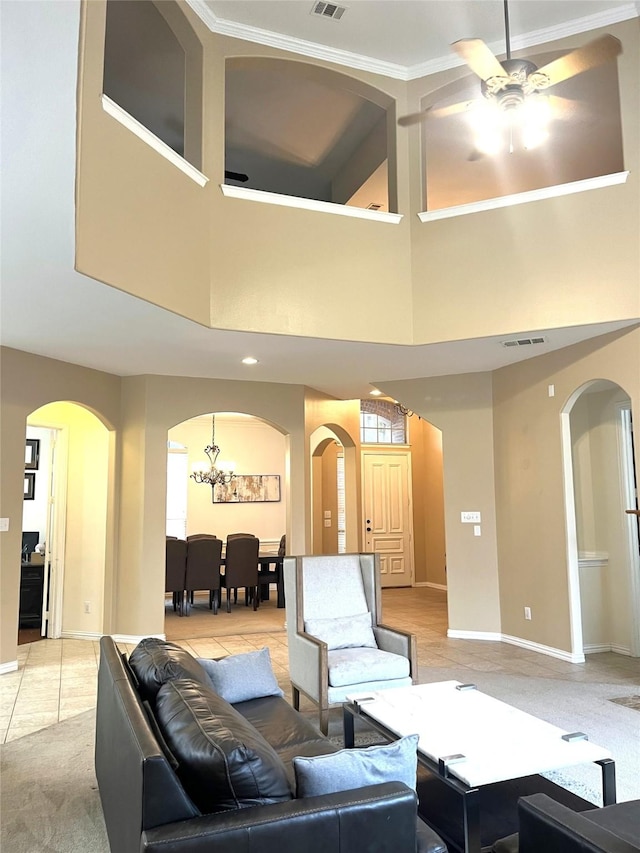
{"x":602,"y":541}
{"x":334,"y":509}
{"x":68,"y":507}
{"x":255,"y":500}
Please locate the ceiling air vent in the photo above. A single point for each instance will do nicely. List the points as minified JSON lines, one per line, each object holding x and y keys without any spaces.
{"x":374,"y":206}
{"x":328,"y":10}
{"x":524,"y":342}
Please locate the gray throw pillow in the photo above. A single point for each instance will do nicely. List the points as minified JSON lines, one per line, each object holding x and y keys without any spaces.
{"x":354,"y":768}
{"x":343,"y":632}
{"x":238,"y":678}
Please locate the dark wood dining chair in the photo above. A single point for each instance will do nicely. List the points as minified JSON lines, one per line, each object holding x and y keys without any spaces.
{"x":269,"y":572}
{"x":175,"y":571}
{"x":241,"y":568}
{"x":204,"y":555}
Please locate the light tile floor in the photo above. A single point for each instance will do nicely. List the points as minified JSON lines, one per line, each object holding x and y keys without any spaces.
{"x":58,"y":678}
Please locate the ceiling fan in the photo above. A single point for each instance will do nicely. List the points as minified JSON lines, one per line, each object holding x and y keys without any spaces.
{"x":513,"y":87}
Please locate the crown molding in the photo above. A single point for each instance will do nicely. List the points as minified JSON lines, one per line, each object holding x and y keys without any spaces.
{"x":313,"y":50}
{"x":301,"y":47}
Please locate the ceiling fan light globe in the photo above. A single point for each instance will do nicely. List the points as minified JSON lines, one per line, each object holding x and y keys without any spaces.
{"x":489,"y":143}
{"x":533,"y":136}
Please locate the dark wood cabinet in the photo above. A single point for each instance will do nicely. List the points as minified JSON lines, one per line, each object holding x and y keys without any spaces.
{"x":31,"y":590}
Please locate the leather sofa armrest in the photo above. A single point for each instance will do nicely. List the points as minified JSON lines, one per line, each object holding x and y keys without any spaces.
{"x":545,"y":824}
{"x":380,"y":817}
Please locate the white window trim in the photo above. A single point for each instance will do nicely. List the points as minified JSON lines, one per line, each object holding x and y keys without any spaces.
{"x":309,"y":204}
{"x":524,"y":198}
{"x":153,"y":141}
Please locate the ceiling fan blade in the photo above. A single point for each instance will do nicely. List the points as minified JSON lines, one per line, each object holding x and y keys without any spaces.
{"x":235,"y":176}
{"x":437,"y":112}
{"x":595,"y":53}
{"x":413,"y":118}
{"x":479,"y":58}
{"x":452,"y":110}
{"x":566,"y":108}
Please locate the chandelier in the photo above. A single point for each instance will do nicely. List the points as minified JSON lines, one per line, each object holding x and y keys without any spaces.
{"x":213,"y":473}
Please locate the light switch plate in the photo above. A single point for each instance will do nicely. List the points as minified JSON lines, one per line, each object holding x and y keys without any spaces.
{"x":4,"y":525}
{"x":469,"y":517}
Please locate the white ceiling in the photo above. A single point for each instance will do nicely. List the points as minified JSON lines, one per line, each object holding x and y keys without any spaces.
{"x":49,"y":309}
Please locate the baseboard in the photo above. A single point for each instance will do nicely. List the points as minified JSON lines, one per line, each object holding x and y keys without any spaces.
{"x":561,"y":654}
{"x":80,"y":635}
{"x":596,"y":648}
{"x":9,"y":666}
{"x":516,"y":641}
{"x":474,"y":635}
{"x":134,"y":639}
{"x":442,"y":586}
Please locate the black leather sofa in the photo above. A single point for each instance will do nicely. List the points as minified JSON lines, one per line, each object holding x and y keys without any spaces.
{"x":150,"y":804}
{"x":546,"y":825}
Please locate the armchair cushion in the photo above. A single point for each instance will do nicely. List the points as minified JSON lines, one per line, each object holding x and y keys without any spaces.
{"x":352,"y":768}
{"x":238,"y":678}
{"x":346,"y":632}
{"x":356,"y":666}
{"x":224,"y":762}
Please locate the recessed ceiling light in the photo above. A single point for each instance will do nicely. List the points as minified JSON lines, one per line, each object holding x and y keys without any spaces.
{"x":249,"y":360}
{"x":376,"y":393}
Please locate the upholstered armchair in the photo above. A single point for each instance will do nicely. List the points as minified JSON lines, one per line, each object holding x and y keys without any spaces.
{"x":337,"y":645}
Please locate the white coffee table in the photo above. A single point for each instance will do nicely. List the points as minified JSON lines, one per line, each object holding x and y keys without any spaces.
{"x":471,"y":740}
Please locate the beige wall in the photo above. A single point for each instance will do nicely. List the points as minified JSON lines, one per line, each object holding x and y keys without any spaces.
{"x":29,"y":382}
{"x":546,"y":264}
{"x":140,"y":411}
{"x":601,"y":521}
{"x":342,"y":420}
{"x":428,"y":503}
{"x":144,"y":227}
{"x":330,"y":498}
{"x":85,"y":448}
{"x":532,"y":536}
{"x":462,"y":408}
{"x":256,"y":448}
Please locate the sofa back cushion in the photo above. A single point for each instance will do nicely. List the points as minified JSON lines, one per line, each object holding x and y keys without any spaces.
{"x":155,"y":661}
{"x":224,"y":763}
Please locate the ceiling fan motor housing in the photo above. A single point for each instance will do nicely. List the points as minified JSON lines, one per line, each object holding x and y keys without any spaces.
{"x":510,"y":91}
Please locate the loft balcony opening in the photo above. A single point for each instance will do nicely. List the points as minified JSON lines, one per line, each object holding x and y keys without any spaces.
{"x":301,"y":130}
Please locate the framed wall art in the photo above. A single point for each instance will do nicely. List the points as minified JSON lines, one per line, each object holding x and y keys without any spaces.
{"x":248,"y":488}
{"x":32,"y":454}
{"x":29,"y":486}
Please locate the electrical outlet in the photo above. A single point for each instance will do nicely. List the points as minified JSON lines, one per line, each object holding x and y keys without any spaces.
{"x":527,"y":613}
{"x":87,"y":607}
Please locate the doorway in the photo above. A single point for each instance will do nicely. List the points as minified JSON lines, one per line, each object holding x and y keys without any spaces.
{"x":69,"y":509}
{"x":603,"y":558}
{"x":388,"y":528}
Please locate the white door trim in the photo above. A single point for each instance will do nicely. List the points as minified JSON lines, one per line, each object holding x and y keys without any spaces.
{"x":573,"y":568}
{"x":629,"y":498}
{"x":58,"y":519}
